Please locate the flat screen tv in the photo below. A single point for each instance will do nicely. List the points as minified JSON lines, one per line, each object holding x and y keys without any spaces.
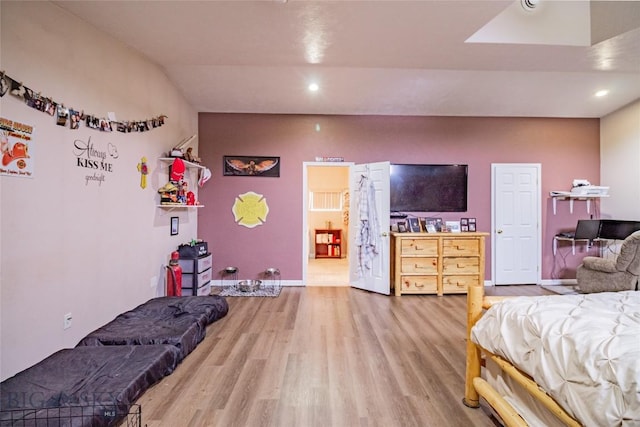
{"x":428,"y":188}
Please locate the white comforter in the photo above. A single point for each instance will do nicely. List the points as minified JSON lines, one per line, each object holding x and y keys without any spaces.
{"x":584,"y":350}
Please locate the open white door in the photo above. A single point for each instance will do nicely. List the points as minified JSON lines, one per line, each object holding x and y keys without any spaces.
{"x":369,"y":267}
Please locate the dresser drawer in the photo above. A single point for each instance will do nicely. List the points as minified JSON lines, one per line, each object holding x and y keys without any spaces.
{"x":419,"y":284}
{"x":460,"y":247}
{"x":419,"y":265}
{"x":200,"y":264}
{"x":200,"y":279}
{"x":458,"y":284}
{"x":419,"y":247}
{"x":460,"y":265}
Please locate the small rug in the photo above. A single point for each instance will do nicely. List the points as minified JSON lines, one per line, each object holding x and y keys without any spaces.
{"x":562,"y":289}
{"x":267,"y":291}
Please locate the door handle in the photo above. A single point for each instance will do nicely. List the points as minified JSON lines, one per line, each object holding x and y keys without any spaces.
{"x":385,"y":234}
{"x":499,"y":231}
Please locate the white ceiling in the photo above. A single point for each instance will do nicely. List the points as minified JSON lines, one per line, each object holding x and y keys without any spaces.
{"x":386,"y":57}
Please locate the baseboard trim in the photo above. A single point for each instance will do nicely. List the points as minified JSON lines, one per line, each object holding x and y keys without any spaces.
{"x":556,"y":282}
{"x":487,"y":283}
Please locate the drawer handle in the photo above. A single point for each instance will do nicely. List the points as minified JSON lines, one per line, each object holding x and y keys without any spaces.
{"x":419,"y":266}
{"x":408,"y":284}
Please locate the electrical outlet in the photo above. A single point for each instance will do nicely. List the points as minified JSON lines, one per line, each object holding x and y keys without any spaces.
{"x":67,"y":321}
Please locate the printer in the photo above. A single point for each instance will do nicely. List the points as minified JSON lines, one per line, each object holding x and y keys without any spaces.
{"x":582,"y":187}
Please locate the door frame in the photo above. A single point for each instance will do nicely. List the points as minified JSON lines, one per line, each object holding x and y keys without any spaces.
{"x":538,"y":168}
{"x":305,"y":211}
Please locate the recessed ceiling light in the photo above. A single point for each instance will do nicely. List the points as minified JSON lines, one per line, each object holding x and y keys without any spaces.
{"x":313,"y":87}
{"x":602,"y":93}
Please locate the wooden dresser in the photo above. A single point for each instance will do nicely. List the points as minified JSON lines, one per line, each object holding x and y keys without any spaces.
{"x":436,"y":263}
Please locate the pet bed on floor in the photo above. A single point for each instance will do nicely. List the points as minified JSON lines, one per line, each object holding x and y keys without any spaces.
{"x":103,"y":382}
{"x":212,"y":307}
{"x":179,"y":321}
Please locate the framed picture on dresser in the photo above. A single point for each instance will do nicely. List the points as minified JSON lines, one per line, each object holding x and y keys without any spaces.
{"x":414,"y":225}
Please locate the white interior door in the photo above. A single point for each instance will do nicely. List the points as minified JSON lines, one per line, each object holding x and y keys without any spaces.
{"x":369,"y":240}
{"x":516,"y":216}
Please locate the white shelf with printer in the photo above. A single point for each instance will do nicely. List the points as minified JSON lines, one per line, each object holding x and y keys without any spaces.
{"x":582,"y":190}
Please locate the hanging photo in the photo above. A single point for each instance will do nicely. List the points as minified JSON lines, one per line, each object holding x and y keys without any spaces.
{"x":105,"y":125}
{"x":4,"y":84}
{"x":75,"y":119}
{"x":63,"y":115}
{"x":92,"y":122}
{"x":50,"y":107}
{"x":36,"y":102}
{"x":17,"y":89}
{"x":141,"y":127}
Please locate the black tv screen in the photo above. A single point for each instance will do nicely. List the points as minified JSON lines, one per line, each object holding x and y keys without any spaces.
{"x":428,"y":188}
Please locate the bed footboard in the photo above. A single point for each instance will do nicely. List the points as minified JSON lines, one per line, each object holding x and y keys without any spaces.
{"x":475,"y":295}
{"x":476,"y":386}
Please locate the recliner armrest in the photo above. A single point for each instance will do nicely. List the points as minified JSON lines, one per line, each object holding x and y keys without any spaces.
{"x":599,"y":264}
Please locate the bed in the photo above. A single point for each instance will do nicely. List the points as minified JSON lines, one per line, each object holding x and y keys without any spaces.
{"x":178,"y":321}
{"x":84,"y":386}
{"x":555,"y":359}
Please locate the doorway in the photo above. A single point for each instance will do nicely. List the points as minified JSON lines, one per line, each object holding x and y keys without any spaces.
{"x":326,"y":223}
{"x":515,"y":223}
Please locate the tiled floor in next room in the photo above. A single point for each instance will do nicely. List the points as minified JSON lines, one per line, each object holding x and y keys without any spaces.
{"x":328,"y":272}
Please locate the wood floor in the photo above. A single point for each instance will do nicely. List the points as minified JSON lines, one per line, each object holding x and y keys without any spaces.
{"x":325,"y":356}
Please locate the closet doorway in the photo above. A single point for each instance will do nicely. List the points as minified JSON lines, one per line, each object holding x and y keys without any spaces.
{"x":326,"y":223}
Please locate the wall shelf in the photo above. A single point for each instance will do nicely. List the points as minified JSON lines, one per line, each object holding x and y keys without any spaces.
{"x":557,"y":195}
{"x":186,"y":163}
{"x":180,"y":206}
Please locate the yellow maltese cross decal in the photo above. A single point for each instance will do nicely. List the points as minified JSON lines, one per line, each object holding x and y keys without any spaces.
{"x":250,"y":209}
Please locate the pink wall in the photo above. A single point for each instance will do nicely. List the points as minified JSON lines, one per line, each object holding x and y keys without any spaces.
{"x":566,"y":148}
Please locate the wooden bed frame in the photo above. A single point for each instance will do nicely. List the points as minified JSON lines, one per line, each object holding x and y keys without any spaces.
{"x":476,"y":386}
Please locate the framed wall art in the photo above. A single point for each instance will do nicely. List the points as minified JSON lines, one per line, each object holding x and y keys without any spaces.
{"x":251,"y":166}
{"x":175,"y":223}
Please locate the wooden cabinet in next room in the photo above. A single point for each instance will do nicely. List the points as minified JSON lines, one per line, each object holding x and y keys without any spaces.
{"x":328,"y":243}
